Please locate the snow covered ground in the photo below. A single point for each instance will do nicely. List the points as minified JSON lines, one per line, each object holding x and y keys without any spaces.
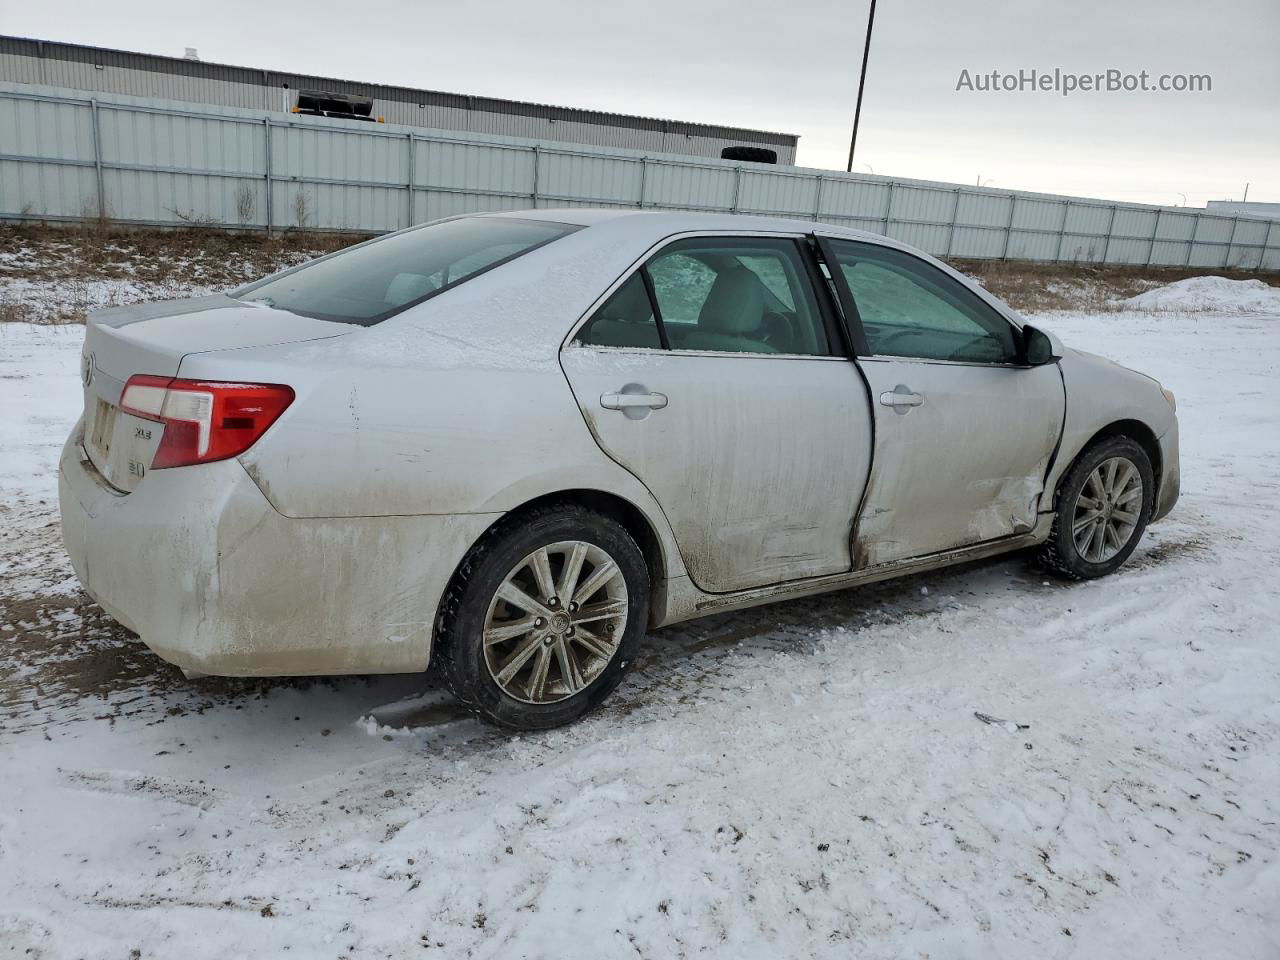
{"x":806,"y":780}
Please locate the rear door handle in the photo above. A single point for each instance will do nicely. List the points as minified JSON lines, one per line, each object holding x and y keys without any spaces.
{"x":631,"y":401}
{"x":901,"y":396}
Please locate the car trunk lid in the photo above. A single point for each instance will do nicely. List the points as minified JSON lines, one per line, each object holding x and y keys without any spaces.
{"x":152,"y":339}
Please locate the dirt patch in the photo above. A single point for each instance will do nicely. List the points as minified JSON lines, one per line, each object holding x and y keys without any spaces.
{"x":61,"y":649}
{"x":1169,"y":551}
{"x":65,"y":660}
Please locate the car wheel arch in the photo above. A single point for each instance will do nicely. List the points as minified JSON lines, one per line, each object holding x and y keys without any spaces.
{"x":1137,"y":431}
{"x":634,"y":520}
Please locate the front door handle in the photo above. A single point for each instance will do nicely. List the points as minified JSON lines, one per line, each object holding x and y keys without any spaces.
{"x":631,"y":401}
{"x":901,"y":397}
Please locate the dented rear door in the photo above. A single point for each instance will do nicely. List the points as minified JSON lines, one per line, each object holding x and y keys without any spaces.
{"x":736,"y":409}
{"x":758,"y":462}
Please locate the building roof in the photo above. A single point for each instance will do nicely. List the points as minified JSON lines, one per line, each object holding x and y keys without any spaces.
{"x":201,"y":69}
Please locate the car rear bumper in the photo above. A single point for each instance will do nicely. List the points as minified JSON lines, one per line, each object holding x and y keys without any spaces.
{"x":212,"y":578}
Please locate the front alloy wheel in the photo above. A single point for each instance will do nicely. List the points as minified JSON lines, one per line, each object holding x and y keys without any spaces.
{"x":1108,"y":510}
{"x":1104,"y":503}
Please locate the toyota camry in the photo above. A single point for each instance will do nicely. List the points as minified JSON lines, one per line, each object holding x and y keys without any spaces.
{"x":511,"y":444}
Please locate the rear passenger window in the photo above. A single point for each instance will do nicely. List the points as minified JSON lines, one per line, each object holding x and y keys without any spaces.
{"x":737,"y":295}
{"x":682,"y":285}
{"x":372,"y":281}
{"x":625,"y":320}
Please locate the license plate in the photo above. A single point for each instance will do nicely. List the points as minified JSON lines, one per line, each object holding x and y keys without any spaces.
{"x":104,"y":423}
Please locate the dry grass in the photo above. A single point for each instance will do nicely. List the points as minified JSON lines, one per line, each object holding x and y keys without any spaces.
{"x":1038,"y":287}
{"x":57,"y":275}
{"x":190,"y":256}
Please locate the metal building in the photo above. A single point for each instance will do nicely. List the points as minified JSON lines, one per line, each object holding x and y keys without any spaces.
{"x":101,"y":70}
{"x":1251,"y":207}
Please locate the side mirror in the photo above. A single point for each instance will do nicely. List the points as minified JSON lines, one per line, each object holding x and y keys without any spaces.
{"x":1039,"y":346}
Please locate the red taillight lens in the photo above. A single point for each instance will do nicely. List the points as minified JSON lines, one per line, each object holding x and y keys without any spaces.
{"x":204,"y":420}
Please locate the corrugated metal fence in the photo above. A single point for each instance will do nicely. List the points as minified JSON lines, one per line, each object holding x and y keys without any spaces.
{"x":66,"y":156}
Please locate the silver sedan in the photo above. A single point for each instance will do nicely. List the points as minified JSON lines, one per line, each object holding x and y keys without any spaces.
{"x":512,"y":443}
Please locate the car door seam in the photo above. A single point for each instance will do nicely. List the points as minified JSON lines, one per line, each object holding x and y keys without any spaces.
{"x":851,"y":346}
{"x":1057,"y":449}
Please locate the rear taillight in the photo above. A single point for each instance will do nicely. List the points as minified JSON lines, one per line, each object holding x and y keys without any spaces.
{"x":204,"y":420}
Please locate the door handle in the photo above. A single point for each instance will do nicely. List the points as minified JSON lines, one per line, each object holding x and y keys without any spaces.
{"x":631,"y":401}
{"x":901,"y":396}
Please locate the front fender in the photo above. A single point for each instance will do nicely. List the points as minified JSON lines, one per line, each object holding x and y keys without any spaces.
{"x":1101,"y":393}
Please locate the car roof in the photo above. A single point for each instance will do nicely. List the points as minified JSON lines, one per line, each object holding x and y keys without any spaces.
{"x":518,"y":315}
{"x":663,"y":222}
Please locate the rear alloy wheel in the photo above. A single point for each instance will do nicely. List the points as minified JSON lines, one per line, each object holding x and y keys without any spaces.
{"x":1104,"y":504}
{"x":555,"y":623}
{"x":544,"y":617}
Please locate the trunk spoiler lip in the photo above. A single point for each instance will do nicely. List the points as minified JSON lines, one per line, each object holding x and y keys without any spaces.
{"x":117,"y":317}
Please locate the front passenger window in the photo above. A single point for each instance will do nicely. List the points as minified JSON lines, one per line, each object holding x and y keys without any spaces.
{"x":909,"y":308}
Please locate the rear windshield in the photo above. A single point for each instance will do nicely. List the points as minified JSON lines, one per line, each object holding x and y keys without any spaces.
{"x":368,"y":283}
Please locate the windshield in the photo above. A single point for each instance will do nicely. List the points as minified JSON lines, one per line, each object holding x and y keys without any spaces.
{"x":368,"y":283}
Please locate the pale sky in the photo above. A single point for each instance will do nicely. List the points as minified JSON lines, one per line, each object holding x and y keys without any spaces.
{"x":793,"y":67}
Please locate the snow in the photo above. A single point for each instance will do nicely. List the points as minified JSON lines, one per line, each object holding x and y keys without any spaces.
{"x":805,"y":780}
{"x":40,"y":399}
{"x":1209,"y":294}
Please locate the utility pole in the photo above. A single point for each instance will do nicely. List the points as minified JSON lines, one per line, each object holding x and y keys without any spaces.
{"x":862,"y":82}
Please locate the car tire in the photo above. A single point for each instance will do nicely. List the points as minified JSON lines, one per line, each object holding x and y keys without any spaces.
{"x":1092,"y":534}
{"x":533,"y":669}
